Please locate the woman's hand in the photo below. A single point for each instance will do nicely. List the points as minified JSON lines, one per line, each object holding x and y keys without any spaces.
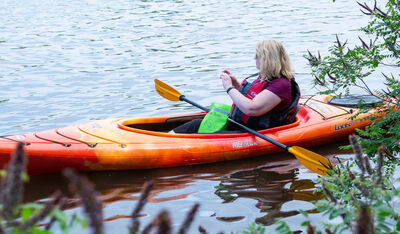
{"x":235,"y":82}
{"x":226,"y":80}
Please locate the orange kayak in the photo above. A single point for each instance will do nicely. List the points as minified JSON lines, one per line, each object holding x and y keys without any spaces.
{"x":144,"y":142}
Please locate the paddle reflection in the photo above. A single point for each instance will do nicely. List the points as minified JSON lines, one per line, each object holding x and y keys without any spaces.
{"x":270,"y":187}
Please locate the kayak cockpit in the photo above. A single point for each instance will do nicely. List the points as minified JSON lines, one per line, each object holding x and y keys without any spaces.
{"x":158,"y":124}
{"x":325,"y":107}
{"x":163,"y":124}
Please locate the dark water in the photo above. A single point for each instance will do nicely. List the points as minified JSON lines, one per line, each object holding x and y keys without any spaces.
{"x":231,"y":194}
{"x":69,"y":62}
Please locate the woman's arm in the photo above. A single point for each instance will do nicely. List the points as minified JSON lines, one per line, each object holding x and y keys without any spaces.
{"x":261,"y":104}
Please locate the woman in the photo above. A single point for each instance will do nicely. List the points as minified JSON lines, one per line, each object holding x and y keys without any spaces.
{"x":269,"y":101}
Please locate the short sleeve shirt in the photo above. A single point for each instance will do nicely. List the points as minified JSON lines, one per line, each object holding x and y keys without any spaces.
{"x":283,"y":89}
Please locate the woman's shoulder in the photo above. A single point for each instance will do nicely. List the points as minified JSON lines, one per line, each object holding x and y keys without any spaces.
{"x":280,"y":86}
{"x":279,"y":83}
{"x":281,"y":80}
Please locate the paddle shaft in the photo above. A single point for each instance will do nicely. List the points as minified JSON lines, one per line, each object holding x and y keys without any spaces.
{"x":183,"y":98}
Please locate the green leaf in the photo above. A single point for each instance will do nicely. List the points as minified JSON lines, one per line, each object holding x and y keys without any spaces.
{"x":385,"y":211}
{"x":283,"y":227}
{"x":26,"y":213}
{"x":27,"y":210}
{"x":61,"y":218}
{"x":36,"y":230}
{"x":304,"y":213}
{"x":305,"y":223}
{"x":25,"y":177}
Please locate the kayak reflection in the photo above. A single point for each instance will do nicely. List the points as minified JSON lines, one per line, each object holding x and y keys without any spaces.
{"x":271,"y":181}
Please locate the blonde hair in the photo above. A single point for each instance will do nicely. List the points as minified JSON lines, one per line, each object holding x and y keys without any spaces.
{"x":274,"y":60}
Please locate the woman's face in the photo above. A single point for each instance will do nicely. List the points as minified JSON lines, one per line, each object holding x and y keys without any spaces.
{"x":257,"y":62}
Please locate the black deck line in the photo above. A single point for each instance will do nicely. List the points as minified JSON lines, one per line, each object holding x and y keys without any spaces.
{"x":83,"y":142}
{"x":57,"y":142}
{"x":6,"y":137}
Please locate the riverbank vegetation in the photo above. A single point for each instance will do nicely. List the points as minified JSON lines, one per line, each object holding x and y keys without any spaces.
{"x":363,"y":193}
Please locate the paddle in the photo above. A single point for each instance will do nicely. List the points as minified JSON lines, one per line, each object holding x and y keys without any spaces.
{"x":313,"y":161}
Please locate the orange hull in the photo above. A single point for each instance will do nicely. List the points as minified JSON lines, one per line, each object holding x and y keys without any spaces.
{"x":132,"y":143}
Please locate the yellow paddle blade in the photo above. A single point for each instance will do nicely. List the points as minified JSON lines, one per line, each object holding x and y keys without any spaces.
{"x":313,"y":161}
{"x":166,"y":91}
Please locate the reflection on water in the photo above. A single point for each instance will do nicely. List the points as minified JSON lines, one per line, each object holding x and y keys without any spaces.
{"x":231,"y":194}
{"x":269,"y":188}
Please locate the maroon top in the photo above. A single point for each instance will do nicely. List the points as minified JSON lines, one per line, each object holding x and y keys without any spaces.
{"x":283,"y":89}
